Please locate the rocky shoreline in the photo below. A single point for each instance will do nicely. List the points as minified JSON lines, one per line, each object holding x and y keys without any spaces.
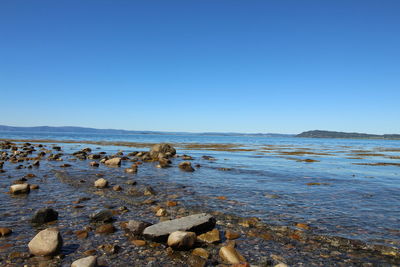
{"x":110,"y":221}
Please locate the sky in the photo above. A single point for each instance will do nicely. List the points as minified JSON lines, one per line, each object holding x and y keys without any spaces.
{"x":202,"y":66}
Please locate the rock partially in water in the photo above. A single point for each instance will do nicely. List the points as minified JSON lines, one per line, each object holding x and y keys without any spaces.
{"x":90,"y":261}
{"x":197,"y":223}
{"x":210,"y":237}
{"x":105,"y":229}
{"x":186,"y":166}
{"x":201,"y":252}
{"x":230,"y":255}
{"x":137,"y":227}
{"x":47,"y":242}
{"x":5,"y":231}
{"x":44,"y":215}
{"x":181,"y":240}
{"x":162,"y":150}
{"x":113,"y":162}
{"x":19,"y":189}
{"x":104,"y":215}
{"x":101,"y":183}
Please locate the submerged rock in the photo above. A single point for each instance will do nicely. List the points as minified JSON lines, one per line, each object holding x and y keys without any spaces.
{"x":44,"y":215}
{"x":186,"y":166}
{"x":194,"y":223}
{"x":101,"y":216}
{"x":5,"y":231}
{"x":46,"y":243}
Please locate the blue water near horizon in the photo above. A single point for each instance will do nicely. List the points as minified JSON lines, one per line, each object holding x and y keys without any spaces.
{"x":349,"y":200}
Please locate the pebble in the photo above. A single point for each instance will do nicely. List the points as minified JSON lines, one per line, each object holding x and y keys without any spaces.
{"x":210,"y":237}
{"x":230,"y":255}
{"x":105,"y":229}
{"x":5,"y":231}
{"x":201,"y":252}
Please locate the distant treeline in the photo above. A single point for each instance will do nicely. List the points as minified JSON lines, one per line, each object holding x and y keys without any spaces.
{"x":332,"y":134}
{"x":74,"y":129}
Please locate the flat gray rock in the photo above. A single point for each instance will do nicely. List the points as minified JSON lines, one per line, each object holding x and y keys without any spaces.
{"x":197,"y":223}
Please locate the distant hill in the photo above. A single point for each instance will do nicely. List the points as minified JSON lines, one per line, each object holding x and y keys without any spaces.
{"x":332,"y":134}
{"x":74,"y":129}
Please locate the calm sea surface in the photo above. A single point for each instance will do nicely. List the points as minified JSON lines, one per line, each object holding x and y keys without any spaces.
{"x":269,"y":178}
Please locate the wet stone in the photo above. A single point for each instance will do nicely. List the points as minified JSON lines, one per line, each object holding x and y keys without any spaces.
{"x":104,"y":215}
{"x":44,"y":215}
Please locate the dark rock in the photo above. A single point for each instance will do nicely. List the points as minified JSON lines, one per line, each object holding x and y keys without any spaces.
{"x":44,"y":215}
{"x":186,"y":166}
{"x":104,"y":215}
{"x":137,"y":227}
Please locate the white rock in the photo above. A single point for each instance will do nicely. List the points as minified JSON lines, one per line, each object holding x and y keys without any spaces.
{"x":90,"y":261}
{"x":101,"y":183}
{"x":181,"y":240}
{"x":19,"y":189}
{"x":46,"y":243}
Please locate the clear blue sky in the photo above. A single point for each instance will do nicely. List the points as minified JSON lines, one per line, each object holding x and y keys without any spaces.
{"x":243,"y":66}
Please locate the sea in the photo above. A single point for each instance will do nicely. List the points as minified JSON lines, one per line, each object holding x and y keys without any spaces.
{"x":340,"y":187}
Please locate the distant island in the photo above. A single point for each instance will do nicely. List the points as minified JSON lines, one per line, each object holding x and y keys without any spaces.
{"x":75,"y":129}
{"x":332,"y":134}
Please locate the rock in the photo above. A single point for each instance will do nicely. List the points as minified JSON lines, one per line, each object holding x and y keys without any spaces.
{"x":149,"y":191}
{"x":230,"y":255}
{"x":5,"y":231}
{"x":162,"y":151}
{"x":33,"y":187}
{"x":137,"y":227}
{"x":101,"y":216}
{"x":94,"y":164}
{"x":117,"y":188}
{"x":230,"y":235}
{"x":82,"y":234}
{"x":90,"y":261}
{"x":281,"y":265}
{"x":161,"y":212}
{"x":181,"y":240}
{"x":138,"y":242}
{"x":210,"y":237}
{"x":186,"y":157}
{"x":36,"y":163}
{"x":47,"y":242}
{"x":201,"y":252}
{"x":105,"y":229}
{"x":19,"y":189}
{"x":113,"y":162}
{"x":101,"y":183}
{"x":186,"y":166}
{"x":194,"y":223}
{"x":164,"y":163}
{"x":130,"y":170}
{"x":44,"y":215}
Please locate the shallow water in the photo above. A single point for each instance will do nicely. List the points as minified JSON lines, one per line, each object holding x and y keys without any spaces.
{"x":333,"y":195}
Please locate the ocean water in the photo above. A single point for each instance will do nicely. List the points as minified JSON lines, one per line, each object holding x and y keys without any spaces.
{"x":348,"y":188}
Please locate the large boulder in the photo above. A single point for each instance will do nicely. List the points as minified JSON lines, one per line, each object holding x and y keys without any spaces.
{"x":46,"y":243}
{"x":198,"y":223}
{"x":44,"y":215}
{"x":162,"y":150}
